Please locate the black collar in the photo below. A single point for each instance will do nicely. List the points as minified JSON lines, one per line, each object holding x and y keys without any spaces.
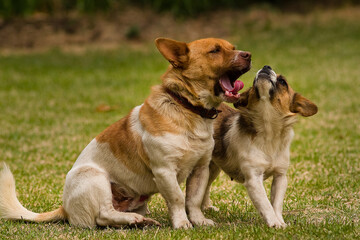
{"x":203,"y":112}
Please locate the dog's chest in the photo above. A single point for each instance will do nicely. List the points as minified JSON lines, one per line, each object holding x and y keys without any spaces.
{"x":260,"y":155}
{"x":180,"y":152}
{"x":271,"y":155}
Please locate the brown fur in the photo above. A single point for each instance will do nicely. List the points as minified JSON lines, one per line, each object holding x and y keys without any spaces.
{"x":202,"y":68}
{"x":301,"y":105}
{"x":155,"y":123}
{"x":125,"y":145}
{"x":176,"y":118}
{"x":221,"y":126}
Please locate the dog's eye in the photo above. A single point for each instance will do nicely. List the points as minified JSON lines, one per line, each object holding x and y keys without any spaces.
{"x":215,"y":50}
{"x":282,"y":81}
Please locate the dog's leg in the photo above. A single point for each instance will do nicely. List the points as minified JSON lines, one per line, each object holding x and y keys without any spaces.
{"x":143,"y":210}
{"x":257,"y":193}
{"x":214,"y":172}
{"x":166,"y":182}
{"x":196,"y":185}
{"x":110,"y":217}
{"x":278,"y":189}
{"x":88,"y":200}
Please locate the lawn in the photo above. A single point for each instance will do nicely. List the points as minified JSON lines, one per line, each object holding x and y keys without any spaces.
{"x":48,"y":114}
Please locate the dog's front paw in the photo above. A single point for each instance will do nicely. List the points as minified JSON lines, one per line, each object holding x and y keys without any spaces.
{"x":211,"y":208}
{"x":184,"y":224}
{"x":281,"y":220}
{"x":275,"y":223}
{"x":202,"y":221}
{"x":283,"y":225}
{"x":151,"y":222}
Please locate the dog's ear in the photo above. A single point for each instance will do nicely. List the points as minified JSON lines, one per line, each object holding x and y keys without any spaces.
{"x":175,"y":52}
{"x":243,"y":100}
{"x":303,"y":106}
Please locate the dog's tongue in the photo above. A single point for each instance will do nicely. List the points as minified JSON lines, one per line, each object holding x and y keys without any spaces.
{"x":238,"y":85}
{"x":231,"y":91}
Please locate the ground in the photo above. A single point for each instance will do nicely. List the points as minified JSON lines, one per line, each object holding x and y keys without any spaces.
{"x":55,"y":96}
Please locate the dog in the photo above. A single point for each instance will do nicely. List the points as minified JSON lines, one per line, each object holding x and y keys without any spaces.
{"x":252,"y":143}
{"x":159,"y":144}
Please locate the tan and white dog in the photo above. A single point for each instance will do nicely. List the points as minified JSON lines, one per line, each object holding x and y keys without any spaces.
{"x":155,"y":147}
{"x":253,"y":142}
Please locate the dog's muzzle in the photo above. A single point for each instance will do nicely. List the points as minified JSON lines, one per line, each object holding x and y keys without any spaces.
{"x":266,"y":73}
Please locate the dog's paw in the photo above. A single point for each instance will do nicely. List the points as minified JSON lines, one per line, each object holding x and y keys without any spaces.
{"x":138,"y":220}
{"x":151,"y":222}
{"x":275,"y":224}
{"x":211,"y":208}
{"x":283,"y":225}
{"x":182,"y":224}
{"x":134,"y":218}
{"x":281,"y":220}
{"x":202,"y":221}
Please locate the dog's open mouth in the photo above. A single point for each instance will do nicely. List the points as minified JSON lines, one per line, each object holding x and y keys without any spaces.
{"x":231,"y":85}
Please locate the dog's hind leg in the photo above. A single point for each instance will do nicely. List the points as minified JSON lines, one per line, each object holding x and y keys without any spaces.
{"x":110,"y":217}
{"x":88,"y":200}
{"x":143,"y":210}
{"x":214,"y":173}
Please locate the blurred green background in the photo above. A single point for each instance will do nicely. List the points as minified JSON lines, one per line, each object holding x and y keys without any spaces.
{"x":10,"y":8}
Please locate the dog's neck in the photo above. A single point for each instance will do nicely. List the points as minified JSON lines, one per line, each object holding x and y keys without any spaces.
{"x":187,"y":89}
{"x":199,"y":110}
{"x":182,"y":119}
{"x":267,"y":122}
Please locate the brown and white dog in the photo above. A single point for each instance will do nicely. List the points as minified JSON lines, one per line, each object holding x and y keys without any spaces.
{"x":154,"y":148}
{"x":253,"y":142}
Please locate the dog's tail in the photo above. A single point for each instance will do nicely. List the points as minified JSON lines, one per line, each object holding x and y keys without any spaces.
{"x":11,"y":208}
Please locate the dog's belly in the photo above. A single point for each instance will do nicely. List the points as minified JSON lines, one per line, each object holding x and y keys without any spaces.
{"x":239,"y":165}
{"x":125,"y":202}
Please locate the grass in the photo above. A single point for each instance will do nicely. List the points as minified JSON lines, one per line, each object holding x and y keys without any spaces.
{"x":48,"y":116}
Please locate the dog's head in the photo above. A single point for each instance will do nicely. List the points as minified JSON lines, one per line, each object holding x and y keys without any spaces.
{"x":268,"y":87}
{"x":205,"y":70}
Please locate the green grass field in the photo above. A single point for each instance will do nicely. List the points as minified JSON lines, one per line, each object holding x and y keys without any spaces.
{"x":48,"y":115}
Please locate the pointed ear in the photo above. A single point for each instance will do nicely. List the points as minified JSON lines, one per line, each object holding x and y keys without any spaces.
{"x":243,"y":100}
{"x":303,"y":106}
{"x":175,"y":52}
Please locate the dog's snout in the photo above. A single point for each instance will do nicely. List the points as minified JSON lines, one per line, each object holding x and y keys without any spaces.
{"x":267,"y":67}
{"x":266,"y":70}
{"x":245,"y":55}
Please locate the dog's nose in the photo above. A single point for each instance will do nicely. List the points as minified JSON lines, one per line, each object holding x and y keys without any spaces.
{"x":266,"y":67}
{"x":245,"y":55}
